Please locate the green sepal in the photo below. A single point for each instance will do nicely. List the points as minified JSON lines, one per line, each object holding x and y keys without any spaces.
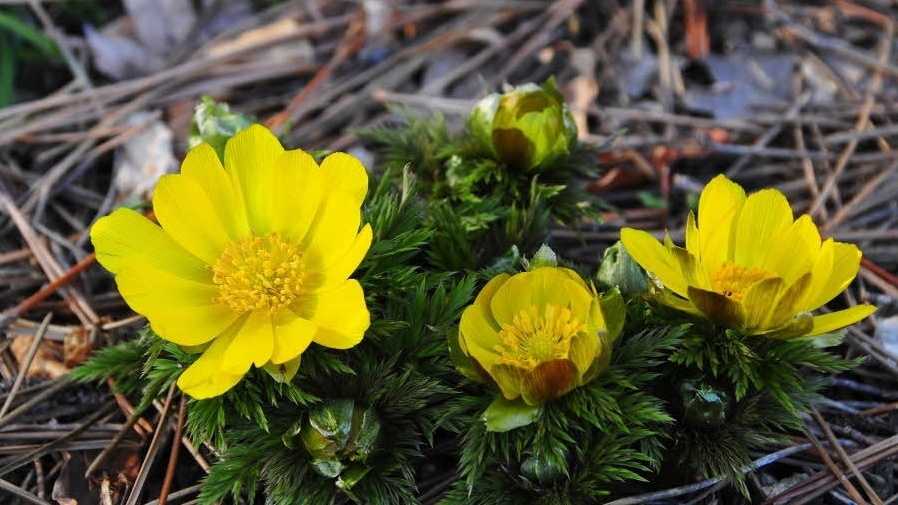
{"x":504,"y":415}
{"x":283,"y":372}
{"x":614,"y":309}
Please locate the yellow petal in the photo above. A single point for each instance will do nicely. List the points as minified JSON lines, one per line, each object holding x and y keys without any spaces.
{"x":798,"y":326}
{"x":479,"y":335}
{"x":718,"y":307}
{"x":336,"y":270}
{"x":674,"y":301}
{"x":717,"y":208}
{"x":126,"y":235}
{"x":547,"y":381}
{"x":203,"y":166}
{"x":792,"y":253}
{"x":760,"y":302}
{"x":693,"y":239}
{"x":251,"y":157}
{"x":765,"y":216}
{"x":292,"y":335}
{"x":334,"y":230}
{"x":836,"y":320}
{"x":596,"y":316}
{"x":846,"y":260}
{"x":585,"y":347}
{"x":540,"y":288}
{"x":507,"y":379}
{"x":179,"y":310}
{"x":253,"y":344}
{"x":205,"y":377}
{"x":188,"y":217}
{"x":341,"y":315}
{"x":692,"y":271}
{"x":485,"y":297}
{"x":297,"y":194}
{"x":787,"y":305}
{"x":654,"y":258}
{"x":346,"y":174}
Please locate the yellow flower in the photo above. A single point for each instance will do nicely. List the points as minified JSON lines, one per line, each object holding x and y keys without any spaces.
{"x":537,"y":334}
{"x":748,"y":265}
{"x":251,"y":260}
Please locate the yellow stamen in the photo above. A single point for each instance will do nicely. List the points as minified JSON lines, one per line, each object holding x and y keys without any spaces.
{"x":256,"y":273}
{"x":535,"y":338}
{"x":734,"y":280}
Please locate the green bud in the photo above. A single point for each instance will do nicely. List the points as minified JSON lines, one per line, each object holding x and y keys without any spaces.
{"x":544,"y":257}
{"x":703,"y":405}
{"x":338,"y":434}
{"x":214,"y":123}
{"x":542,"y":471}
{"x":527,"y":128}
{"x":619,"y":269}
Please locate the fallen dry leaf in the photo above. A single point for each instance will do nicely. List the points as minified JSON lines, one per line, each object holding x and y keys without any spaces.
{"x":47,"y":362}
{"x":144,"y":158}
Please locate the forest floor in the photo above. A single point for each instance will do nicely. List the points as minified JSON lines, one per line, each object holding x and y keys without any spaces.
{"x":97,"y":100}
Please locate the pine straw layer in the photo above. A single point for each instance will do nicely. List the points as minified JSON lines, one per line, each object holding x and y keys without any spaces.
{"x":825,"y":142}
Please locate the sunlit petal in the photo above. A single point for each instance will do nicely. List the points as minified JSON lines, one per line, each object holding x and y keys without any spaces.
{"x":184,"y":311}
{"x":341,"y":316}
{"x":846,"y":260}
{"x":126,"y":235}
{"x":717,"y":207}
{"x":344,"y":173}
{"x":292,"y":335}
{"x":253,"y":344}
{"x":297,"y":193}
{"x":250,"y":159}
{"x":205,"y":377}
{"x":764,"y":217}
{"x":654,"y":258}
{"x":833,"y":321}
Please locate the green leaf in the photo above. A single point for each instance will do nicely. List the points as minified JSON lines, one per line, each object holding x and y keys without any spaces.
{"x":28,"y":33}
{"x":505,"y":415}
{"x":7,"y":72}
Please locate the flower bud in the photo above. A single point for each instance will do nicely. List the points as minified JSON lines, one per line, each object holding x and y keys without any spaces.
{"x":526,"y":128}
{"x":214,"y":123}
{"x":703,"y":405}
{"x":338,"y":434}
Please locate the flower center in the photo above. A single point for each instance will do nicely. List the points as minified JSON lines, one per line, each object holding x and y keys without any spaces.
{"x":532,"y":339}
{"x":734,"y":280}
{"x":258,"y":273}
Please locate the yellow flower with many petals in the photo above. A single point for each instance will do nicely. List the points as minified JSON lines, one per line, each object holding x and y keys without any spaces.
{"x":536,"y":335}
{"x":252,"y":260}
{"x":749,"y":266}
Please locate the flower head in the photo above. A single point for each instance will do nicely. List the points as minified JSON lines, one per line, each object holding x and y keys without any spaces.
{"x":251,"y":260}
{"x":536,"y":335}
{"x":526,"y":127}
{"x":749,"y":266}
